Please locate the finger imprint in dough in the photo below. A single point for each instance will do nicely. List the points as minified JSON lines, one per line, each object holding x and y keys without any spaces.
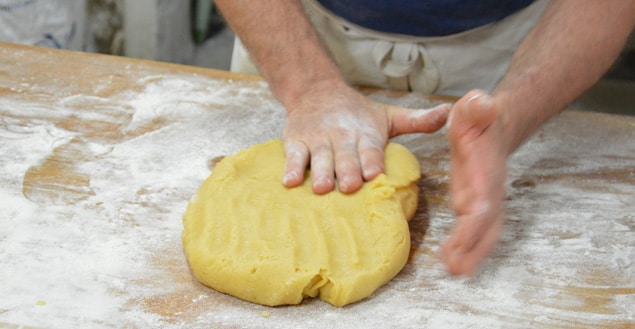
{"x":247,"y":235}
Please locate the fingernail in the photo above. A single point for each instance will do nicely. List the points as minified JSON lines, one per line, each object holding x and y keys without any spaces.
{"x":321,"y":181}
{"x":473,"y":97}
{"x":483,"y":102}
{"x":343,"y":186}
{"x":288,"y":177}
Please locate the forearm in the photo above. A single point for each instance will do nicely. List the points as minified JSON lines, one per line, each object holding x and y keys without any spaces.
{"x":283,"y":44}
{"x":571,"y":47}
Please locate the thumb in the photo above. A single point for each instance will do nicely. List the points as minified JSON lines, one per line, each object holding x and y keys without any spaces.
{"x":474,"y":111}
{"x":406,"y":121}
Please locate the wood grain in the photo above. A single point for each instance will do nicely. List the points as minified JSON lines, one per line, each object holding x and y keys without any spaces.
{"x":566,"y":259}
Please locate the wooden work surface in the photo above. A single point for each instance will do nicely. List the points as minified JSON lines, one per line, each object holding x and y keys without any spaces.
{"x":100,"y":156}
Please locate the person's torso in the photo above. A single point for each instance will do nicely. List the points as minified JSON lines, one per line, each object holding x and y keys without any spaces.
{"x":426,"y":18}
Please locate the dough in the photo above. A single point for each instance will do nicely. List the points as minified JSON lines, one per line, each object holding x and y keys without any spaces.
{"x":247,"y":235}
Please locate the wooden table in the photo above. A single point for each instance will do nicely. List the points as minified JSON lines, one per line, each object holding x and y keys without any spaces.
{"x":100,"y":156}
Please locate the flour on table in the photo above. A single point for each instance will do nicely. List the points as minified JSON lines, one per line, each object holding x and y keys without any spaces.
{"x":103,"y":249}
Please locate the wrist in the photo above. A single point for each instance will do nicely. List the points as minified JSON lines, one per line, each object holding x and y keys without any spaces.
{"x":293,"y":91}
{"x":517,"y":122}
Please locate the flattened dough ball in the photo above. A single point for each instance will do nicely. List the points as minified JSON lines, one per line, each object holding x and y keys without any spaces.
{"x":247,"y":235}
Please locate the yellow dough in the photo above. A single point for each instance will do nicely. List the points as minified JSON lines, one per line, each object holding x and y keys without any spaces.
{"x":247,"y":235}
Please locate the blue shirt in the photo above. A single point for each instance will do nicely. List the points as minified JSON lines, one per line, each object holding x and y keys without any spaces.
{"x":425,"y":18}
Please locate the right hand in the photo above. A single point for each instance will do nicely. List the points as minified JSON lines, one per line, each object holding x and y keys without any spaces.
{"x":341,"y":134}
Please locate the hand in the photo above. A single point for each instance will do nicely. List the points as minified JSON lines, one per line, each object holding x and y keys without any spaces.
{"x":341,"y":134}
{"x":477,"y":181}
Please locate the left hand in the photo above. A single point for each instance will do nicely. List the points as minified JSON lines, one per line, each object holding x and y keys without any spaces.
{"x":477,"y":181}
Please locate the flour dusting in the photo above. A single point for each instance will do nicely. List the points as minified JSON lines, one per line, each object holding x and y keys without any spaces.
{"x":94,"y":187}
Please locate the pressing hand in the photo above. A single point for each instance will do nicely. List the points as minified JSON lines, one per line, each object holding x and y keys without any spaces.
{"x":341,"y":135}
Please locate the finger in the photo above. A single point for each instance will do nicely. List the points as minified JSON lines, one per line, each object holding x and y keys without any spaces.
{"x":322,"y":168}
{"x":371,"y":156}
{"x":462,"y":261}
{"x":405,"y":121}
{"x":347,"y":167}
{"x":474,"y":185}
{"x":471,"y":228}
{"x":297,"y":159}
{"x":471,"y":237}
